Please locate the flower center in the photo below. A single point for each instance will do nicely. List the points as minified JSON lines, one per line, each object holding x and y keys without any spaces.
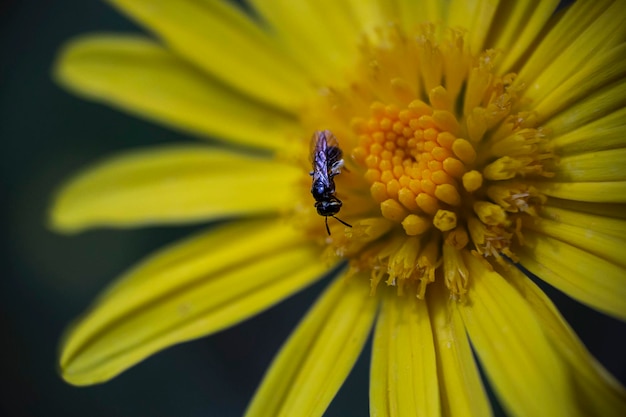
{"x":430,"y":135}
{"x":416,"y":164}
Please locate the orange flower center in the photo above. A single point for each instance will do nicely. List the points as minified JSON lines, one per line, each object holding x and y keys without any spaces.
{"x":416,"y":164}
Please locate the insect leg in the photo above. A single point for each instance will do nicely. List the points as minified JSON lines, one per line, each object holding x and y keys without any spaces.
{"x":342,"y":222}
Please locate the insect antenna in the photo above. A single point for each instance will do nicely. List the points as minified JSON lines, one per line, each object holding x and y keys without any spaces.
{"x":342,"y":222}
{"x":336,"y":218}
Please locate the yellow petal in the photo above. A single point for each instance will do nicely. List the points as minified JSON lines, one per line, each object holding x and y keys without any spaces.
{"x":192,"y":289}
{"x":604,"y":210}
{"x":603,"y":34}
{"x":583,"y":276}
{"x":321,"y":35}
{"x":598,"y":223}
{"x":573,"y":38}
{"x":172,"y":184}
{"x":592,"y":75}
{"x":139,"y":76}
{"x":517,"y":27}
{"x":462,"y":391}
{"x":592,"y":192}
{"x":522,"y":366}
{"x":412,"y":13}
{"x":593,"y":166}
{"x":587,"y":110}
{"x":598,"y":393}
{"x":371,"y":15}
{"x":476,"y":16}
{"x":219,"y":38}
{"x":604,"y":133}
{"x":584,"y":236}
{"x":403,"y":376}
{"x":318,"y":356}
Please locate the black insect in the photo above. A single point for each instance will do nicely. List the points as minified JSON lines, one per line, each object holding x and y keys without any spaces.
{"x":327,"y":163}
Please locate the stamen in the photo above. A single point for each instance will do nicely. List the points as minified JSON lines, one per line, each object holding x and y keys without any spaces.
{"x":457,"y":238}
{"x":490,"y":213}
{"x":428,"y":262}
{"x":472,"y":181}
{"x":456,"y":274}
{"x":415,"y":225}
{"x":445,"y":220}
{"x":393,"y":211}
{"x":515,"y":197}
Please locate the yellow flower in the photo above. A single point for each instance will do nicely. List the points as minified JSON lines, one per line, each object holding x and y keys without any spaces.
{"x":475,"y":137}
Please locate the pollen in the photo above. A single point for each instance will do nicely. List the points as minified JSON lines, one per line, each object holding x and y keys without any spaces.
{"x":437,"y":152}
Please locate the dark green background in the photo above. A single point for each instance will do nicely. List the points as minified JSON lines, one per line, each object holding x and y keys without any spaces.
{"x":47,"y":135}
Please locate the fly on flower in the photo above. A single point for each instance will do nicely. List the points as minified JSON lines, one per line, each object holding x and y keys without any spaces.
{"x":326,"y":157}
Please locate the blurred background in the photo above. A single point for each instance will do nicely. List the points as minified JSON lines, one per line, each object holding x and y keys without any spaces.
{"x":47,"y":136}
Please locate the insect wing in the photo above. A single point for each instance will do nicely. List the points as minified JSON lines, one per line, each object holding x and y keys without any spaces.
{"x":334,"y":155}
{"x":319,"y":158}
{"x":325,"y":153}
